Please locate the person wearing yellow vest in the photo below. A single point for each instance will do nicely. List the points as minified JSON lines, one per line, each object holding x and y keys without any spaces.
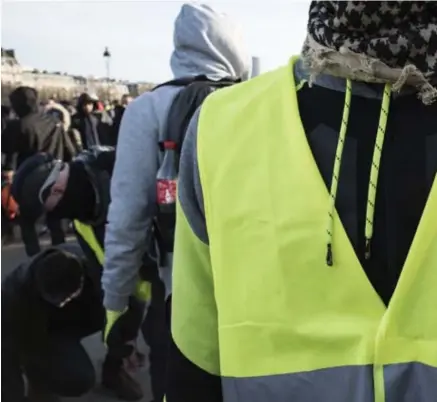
{"x":80,"y":191}
{"x":305,"y":255}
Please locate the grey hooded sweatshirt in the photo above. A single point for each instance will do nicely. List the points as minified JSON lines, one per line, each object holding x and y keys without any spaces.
{"x":205,"y":42}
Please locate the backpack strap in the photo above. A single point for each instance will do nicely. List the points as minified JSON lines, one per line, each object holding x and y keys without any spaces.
{"x":197,"y":88}
{"x":185,"y":81}
{"x":177,"y":82}
{"x":185,"y":103}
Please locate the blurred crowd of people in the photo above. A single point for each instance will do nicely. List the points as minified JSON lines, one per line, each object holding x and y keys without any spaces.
{"x":62,"y":128}
{"x":105,"y":115}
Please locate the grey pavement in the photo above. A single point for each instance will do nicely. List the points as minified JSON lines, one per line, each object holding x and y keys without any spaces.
{"x":14,"y":254}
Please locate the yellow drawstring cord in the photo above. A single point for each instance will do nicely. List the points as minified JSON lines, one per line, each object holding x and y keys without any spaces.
{"x":373,"y":182}
{"x":374,"y":172}
{"x":336,"y":172}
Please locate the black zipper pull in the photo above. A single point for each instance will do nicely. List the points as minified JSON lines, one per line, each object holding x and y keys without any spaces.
{"x":367,"y":251}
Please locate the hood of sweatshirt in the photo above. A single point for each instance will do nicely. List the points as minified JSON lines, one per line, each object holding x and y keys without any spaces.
{"x":210,"y":43}
{"x":24,"y":101}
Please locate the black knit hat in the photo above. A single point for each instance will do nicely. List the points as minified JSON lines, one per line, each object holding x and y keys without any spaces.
{"x":28,"y":181}
{"x":58,"y":275}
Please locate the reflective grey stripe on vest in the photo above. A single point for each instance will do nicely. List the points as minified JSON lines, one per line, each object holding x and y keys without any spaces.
{"x":339,"y":384}
{"x":410,"y":382}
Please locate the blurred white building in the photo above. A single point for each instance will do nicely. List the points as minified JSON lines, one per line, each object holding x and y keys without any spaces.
{"x":11,"y":69}
{"x":61,"y":84}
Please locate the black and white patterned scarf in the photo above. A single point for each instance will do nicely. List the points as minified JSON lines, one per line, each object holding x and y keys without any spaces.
{"x":375,"y":41}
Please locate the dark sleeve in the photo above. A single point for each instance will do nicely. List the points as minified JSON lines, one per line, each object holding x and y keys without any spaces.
{"x":75,"y":123}
{"x":104,"y":129}
{"x":93,"y":316}
{"x":12,"y":139}
{"x":23,"y":317}
{"x":117,"y":119}
{"x":194,"y":364}
{"x":106,"y":158}
{"x":116,"y":127}
{"x":10,"y":162}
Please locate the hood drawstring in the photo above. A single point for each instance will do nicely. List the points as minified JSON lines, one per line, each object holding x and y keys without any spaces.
{"x":336,"y":172}
{"x":373,"y":182}
{"x":374,"y":172}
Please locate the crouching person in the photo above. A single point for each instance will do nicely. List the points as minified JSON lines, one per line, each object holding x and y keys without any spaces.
{"x":79,"y":191}
{"x":49,"y":305}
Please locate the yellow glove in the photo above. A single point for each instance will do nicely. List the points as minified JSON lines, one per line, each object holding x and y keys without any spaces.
{"x":111,"y":318}
{"x":143,"y":291}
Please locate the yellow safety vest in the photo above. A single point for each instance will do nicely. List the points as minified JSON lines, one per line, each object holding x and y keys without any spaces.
{"x":143,"y":289}
{"x":291,"y":328}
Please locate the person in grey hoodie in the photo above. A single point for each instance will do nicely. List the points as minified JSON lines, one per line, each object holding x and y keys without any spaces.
{"x":205,"y":42}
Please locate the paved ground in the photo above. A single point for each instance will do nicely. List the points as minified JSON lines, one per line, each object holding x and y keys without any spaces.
{"x":11,"y":256}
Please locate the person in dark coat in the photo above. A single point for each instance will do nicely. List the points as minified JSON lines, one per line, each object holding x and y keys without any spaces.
{"x":79,"y":191}
{"x":118,"y":115}
{"x":93,"y":130}
{"x":32,"y":132}
{"x":49,"y":305}
{"x":105,"y":123}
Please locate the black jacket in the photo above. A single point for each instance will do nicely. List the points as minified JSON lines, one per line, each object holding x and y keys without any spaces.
{"x":32,"y":132}
{"x":99,"y":164}
{"x":88,"y":128}
{"x":118,"y":115}
{"x":94,"y":128}
{"x":28,"y":319}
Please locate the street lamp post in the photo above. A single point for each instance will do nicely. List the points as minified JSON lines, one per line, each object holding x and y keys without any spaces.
{"x":256,"y":66}
{"x":107,"y":57}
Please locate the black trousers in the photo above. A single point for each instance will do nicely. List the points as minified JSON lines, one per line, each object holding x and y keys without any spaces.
{"x":62,"y":368}
{"x":156,"y":332}
{"x":30,"y":237}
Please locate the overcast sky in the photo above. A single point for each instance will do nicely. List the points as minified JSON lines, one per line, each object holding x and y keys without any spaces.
{"x":71,"y":36}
